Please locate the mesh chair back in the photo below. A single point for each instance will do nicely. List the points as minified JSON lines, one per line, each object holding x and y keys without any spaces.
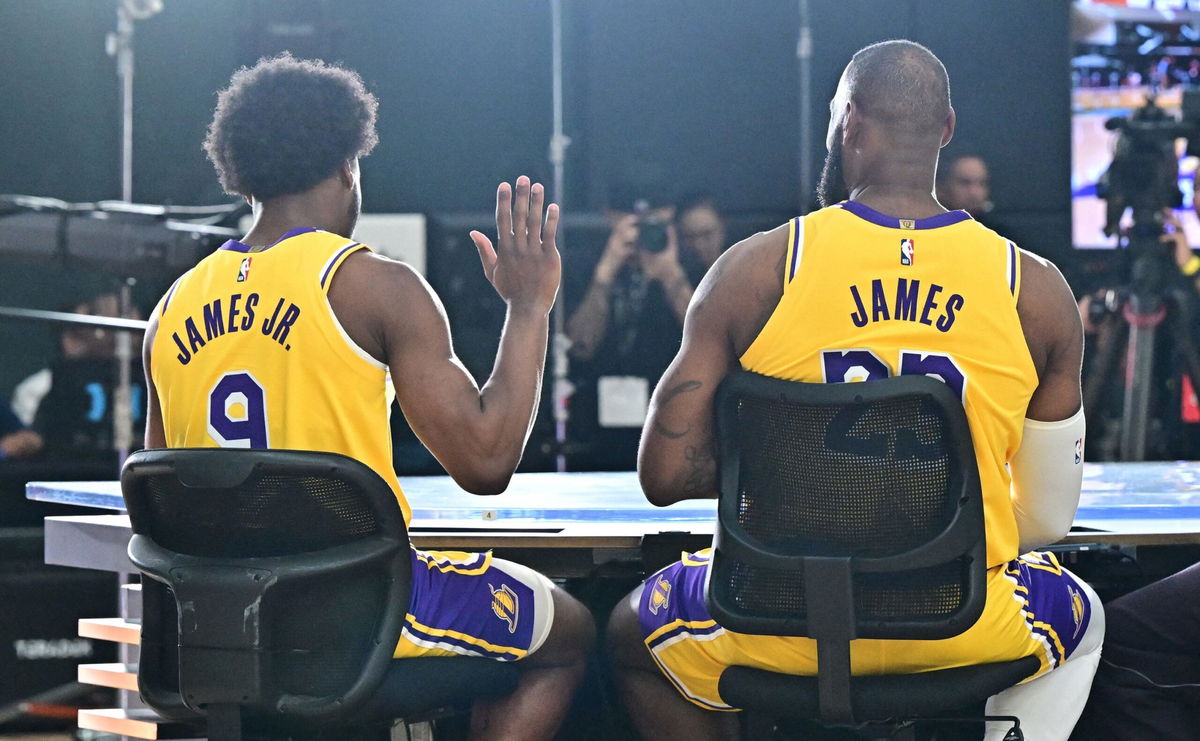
{"x":269,"y":512}
{"x":880,"y":473}
{"x":277,"y":580}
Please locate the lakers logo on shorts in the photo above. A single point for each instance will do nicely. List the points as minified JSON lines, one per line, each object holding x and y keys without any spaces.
{"x":660,"y":595}
{"x":505,"y":605}
{"x":1076,"y":609}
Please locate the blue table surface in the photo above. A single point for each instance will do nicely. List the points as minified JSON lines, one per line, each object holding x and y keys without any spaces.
{"x":1111,"y":491}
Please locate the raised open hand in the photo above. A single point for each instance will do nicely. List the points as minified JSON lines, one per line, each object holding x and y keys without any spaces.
{"x":524,"y":266}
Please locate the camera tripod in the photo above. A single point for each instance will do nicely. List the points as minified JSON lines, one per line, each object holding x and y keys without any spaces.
{"x":1157,"y":296}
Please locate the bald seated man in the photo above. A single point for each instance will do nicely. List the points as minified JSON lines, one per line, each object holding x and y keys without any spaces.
{"x":822,"y":298}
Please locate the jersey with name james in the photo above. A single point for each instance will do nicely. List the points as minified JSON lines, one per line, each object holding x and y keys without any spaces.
{"x":249,"y":354}
{"x":867,"y":296}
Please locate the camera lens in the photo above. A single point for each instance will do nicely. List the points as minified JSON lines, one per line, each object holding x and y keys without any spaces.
{"x":652,"y":235}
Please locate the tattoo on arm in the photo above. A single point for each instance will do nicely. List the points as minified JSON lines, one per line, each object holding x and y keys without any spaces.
{"x":667,"y":397}
{"x":702,"y":471}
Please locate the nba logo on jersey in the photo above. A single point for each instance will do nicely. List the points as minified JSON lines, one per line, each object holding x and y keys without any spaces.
{"x":906,"y":252}
{"x":1079,"y":451}
{"x":244,"y":270}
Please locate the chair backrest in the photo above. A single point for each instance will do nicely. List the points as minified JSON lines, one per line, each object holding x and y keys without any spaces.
{"x":273,"y":580}
{"x":846,"y":510}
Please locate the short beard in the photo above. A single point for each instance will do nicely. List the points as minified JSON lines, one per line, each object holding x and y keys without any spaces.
{"x":832,"y":187}
{"x":352,"y":214}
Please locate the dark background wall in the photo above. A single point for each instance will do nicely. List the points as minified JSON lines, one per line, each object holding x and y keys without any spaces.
{"x":707,"y":88}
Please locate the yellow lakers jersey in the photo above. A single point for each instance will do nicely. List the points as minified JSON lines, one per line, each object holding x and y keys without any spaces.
{"x":867,"y":296}
{"x":249,"y":354}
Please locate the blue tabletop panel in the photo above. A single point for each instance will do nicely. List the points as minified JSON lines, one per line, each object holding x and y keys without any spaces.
{"x":1116,"y":491}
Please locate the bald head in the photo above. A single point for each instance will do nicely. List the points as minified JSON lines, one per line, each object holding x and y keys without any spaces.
{"x":902,"y":86}
{"x":888,"y":120}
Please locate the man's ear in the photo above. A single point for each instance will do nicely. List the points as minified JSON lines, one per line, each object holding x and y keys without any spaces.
{"x":836,"y":117}
{"x":948,"y":127}
{"x":852,"y":126}
{"x":347,"y":175}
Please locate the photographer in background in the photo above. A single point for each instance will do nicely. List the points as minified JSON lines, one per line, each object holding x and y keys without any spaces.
{"x":1188,"y":261}
{"x":701,"y":230}
{"x":16,"y":440}
{"x":69,"y":403}
{"x":1178,"y":418}
{"x":628,"y":325}
{"x":963,"y":182}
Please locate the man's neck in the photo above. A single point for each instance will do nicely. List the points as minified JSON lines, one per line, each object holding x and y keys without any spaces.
{"x":273,"y":220}
{"x":900,"y":200}
{"x":898,"y":182}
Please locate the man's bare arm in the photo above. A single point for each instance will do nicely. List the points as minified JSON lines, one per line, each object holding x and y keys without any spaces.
{"x":1047,"y":468}
{"x":478,"y":435}
{"x":677,"y":457}
{"x":1054,"y":333}
{"x":155,"y":435}
{"x":21,"y":444}
{"x":587,"y":326}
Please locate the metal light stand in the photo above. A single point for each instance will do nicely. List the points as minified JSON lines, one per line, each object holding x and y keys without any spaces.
{"x":804,"y":53}
{"x":561,"y":388}
{"x":120,"y":46}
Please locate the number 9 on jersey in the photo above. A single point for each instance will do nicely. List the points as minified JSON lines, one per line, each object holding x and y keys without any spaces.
{"x":237,"y":412}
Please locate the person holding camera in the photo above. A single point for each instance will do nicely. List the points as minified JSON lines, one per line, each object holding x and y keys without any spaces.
{"x":642,"y":250}
{"x":627,"y":327}
{"x":1181,"y":251}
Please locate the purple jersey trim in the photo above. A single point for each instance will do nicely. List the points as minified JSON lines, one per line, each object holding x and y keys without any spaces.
{"x":334,"y":261}
{"x":1012,"y":268}
{"x":235,"y":246}
{"x":796,"y":237}
{"x":689,"y":630}
{"x":473,"y":648}
{"x":892,"y":222}
{"x":170,"y":295}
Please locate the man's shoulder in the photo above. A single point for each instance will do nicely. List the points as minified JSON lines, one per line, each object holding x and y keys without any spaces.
{"x":368,"y":268}
{"x":750,"y":252}
{"x":756,"y":259}
{"x":1047,"y":308}
{"x":373,"y":284}
{"x":744,"y":285}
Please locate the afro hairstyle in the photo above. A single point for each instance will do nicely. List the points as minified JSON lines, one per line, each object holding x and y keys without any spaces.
{"x":286,"y":124}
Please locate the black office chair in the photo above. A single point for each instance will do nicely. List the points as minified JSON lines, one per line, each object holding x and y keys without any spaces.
{"x":275,"y":585}
{"x":850,"y":510}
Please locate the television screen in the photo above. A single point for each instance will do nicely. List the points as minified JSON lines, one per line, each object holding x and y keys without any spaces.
{"x":1125,"y":52}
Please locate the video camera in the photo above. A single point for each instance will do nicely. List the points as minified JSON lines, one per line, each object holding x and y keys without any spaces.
{"x":1144,"y":174}
{"x":1144,"y":178}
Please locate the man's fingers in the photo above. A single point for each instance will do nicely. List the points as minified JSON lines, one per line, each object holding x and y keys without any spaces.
{"x":551,"y":228}
{"x":537,"y":196}
{"x":521,"y":212}
{"x":487,"y":253}
{"x":503,"y":215}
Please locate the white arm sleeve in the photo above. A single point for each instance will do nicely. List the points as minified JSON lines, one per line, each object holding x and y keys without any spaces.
{"x":1047,"y":473}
